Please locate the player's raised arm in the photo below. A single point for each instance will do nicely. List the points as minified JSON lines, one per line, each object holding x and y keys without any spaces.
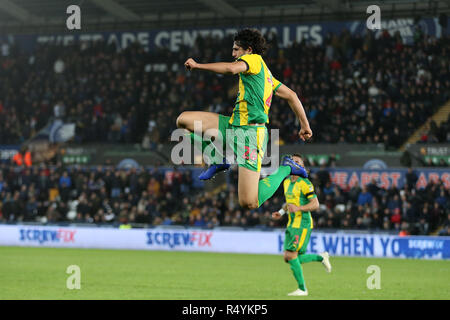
{"x":294,"y":102}
{"x":217,"y":67}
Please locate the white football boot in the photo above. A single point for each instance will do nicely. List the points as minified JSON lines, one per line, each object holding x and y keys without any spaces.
{"x":326,"y":261}
{"x":298,"y":292}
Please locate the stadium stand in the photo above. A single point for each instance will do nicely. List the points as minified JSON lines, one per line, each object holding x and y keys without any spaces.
{"x":356,"y":90}
{"x":105,"y":195}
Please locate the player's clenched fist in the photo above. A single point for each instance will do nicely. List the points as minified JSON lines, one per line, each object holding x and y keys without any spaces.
{"x":190,"y":64}
{"x":305,"y":134}
{"x":276,"y":215}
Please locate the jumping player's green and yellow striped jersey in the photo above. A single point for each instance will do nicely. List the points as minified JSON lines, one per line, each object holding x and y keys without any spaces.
{"x":299,"y":193}
{"x":256,"y":87}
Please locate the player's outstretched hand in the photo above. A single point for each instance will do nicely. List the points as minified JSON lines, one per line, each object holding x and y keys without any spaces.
{"x":190,"y":64}
{"x":305,"y":134}
{"x":276,"y":215}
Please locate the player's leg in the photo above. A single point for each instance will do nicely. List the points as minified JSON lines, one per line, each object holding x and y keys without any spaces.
{"x":291,"y":243}
{"x":305,"y":258}
{"x":200,"y":120}
{"x":214,"y":124}
{"x":248,"y":188}
{"x":250,"y":146}
{"x":304,"y":240}
{"x":254,"y":192}
{"x":296,"y":268}
{"x":207,"y":120}
{"x":270,"y":184}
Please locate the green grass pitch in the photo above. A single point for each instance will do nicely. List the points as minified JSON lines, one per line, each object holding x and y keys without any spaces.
{"x":40,"y":273}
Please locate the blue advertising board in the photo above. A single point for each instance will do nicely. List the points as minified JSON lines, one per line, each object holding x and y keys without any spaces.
{"x":213,"y":240}
{"x":367,"y":245}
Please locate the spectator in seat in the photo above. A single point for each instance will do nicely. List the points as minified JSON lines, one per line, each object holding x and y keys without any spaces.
{"x":365,"y":197}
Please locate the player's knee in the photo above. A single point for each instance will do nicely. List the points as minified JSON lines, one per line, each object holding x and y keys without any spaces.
{"x":248,"y":204}
{"x":181,"y":120}
{"x":252,"y":205}
{"x":288,"y":256}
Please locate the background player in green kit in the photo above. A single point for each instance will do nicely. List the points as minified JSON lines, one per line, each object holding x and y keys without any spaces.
{"x":257,"y":86}
{"x":300,"y":201}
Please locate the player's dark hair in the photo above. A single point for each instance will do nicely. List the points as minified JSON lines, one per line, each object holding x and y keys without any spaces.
{"x":251,"y":38}
{"x":298,"y":155}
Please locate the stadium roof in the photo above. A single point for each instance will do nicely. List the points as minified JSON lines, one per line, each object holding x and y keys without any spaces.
{"x":20,"y":16}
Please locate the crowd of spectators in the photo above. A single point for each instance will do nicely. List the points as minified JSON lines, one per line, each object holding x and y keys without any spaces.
{"x":355,"y":89}
{"x":437,"y":133}
{"x":370,"y":90}
{"x":104,"y":195}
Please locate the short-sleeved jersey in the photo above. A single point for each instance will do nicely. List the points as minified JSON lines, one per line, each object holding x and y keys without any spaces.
{"x":299,"y":193}
{"x":256,"y":88}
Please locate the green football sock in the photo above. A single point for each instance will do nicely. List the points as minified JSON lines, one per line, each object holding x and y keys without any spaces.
{"x":270,"y":184}
{"x":298,"y":273}
{"x":305,"y":258}
{"x":204,"y":144}
{"x":195,"y":138}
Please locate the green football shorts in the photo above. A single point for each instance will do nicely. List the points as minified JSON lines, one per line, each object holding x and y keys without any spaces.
{"x":248,"y":143}
{"x":297,"y":239}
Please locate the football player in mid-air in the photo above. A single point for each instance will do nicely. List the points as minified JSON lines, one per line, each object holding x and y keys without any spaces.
{"x":247,"y":123}
{"x":300,"y":201}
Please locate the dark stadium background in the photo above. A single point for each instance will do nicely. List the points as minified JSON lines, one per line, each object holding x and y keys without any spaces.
{"x":374,"y":101}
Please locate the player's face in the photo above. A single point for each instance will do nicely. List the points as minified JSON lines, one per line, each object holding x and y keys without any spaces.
{"x":239,"y":51}
{"x":298,"y":160}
